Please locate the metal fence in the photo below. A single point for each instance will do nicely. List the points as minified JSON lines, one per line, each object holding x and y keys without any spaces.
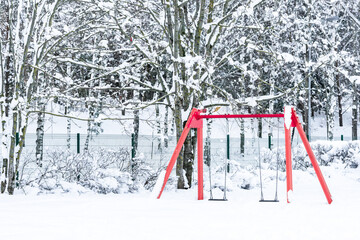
{"x":148,"y":146}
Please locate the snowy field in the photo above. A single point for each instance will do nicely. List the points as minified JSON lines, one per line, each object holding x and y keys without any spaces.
{"x":178,"y":215}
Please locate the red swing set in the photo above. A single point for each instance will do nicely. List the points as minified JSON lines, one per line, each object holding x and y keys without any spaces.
{"x":195,"y":120}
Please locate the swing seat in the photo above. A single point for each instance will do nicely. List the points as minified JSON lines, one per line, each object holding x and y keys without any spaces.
{"x":217,"y":199}
{"x":268,"y":200}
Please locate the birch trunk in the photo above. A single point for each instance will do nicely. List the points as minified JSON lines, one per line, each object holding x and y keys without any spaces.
{"x":330,"y":105}
{"x":207,"y":147}
{"x":158,"y":129}
{"x":166,"y":127}
{"x":136,"y":130}
{"x":40,"y":136}
{"x":5,"y":105}
{"x":11,"y":162}
{"x":68,"y":130}
{"x":88,"y":135}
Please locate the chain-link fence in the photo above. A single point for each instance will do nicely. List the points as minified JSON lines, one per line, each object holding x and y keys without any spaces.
{"x":152,"y":149}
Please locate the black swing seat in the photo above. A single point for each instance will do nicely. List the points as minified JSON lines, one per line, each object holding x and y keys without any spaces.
{"x":275,"y":200}
{"x":217,"y":199}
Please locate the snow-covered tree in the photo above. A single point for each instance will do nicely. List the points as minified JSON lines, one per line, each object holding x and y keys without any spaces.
{"x":26,"y":35}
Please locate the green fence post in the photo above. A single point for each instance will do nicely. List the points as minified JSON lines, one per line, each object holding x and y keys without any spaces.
{"x":17,"y":138}
{"x":78,"y":143}
{"x":242,"y":144}
{"x":228,"y":151}
{"x":269,"y":140}
{"x":132,"y":146}
{"x":133,"y":152}
{"x":342,"y":137}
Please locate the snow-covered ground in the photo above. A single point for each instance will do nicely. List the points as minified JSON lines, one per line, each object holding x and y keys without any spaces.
{"x":178,"y":215}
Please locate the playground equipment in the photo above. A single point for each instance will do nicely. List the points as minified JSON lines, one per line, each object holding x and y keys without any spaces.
{"x":277,"y":170}
{"x":195,"y":120}
{"x":225,"y":189}
{"x":225,"y":168}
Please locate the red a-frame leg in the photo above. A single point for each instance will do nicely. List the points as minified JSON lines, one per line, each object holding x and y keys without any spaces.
{"x":200,"y":163}
{"x":192,"y":122}
{"x":295,"y":122}
{"x":174,"y":157}
{"x":289,"y":184}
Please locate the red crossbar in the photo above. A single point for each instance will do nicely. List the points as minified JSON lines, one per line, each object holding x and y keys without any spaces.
{"x":280,"y":115}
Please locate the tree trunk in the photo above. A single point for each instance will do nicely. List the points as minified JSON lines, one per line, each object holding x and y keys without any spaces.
{"x":188,"y":158}
{"x":135,"y":143}
{"x":166,"y":127}
{"x":40,"y":136}
{"x":354,"y":112}
{"x":5,"y":108}
{"x":178,"y":97}
{"x":309,"y":80}
{"x":331,"y":117}
{"x":88,"y":136}
{"x":11,"y":166}
{"x":158,"y":129}
{"x":199,"y":28}
{"x":339,"y":97}
{"x":242,"y":137}
{"x":207,"y":147}
{"x":260,"y":126}
{"x":4,"y":146}
{"x":136,"y":131}
{"x":179,"y":129}
{"x":330,"y":106}
{"x":136,"y":124}
{"x":68,"y":132}
{"x":21,"y":144}
{"x":67,"y":111}
{"x":253,"y":135}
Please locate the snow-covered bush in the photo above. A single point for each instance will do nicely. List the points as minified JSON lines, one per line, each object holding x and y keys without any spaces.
{"x":111,"y":171}
{"x":239,"y":177}
{"x":273,"y":159}
{"x":242,"y":177}
{"x":143,"y":174}
{"x":102,"y":171}
{"x":326,"y":152}
{"x":247,"y":177}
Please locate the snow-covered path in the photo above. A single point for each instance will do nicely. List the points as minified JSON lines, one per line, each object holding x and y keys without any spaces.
{"x":178,"y":215}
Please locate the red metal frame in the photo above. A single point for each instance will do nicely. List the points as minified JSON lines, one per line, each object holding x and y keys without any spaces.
{"x":296,"y":123}
{"x":195,"y":120}
{"x":289,"y":184}
{"x":280,"y":115}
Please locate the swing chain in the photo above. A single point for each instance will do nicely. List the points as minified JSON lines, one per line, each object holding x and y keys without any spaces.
{"x":277,"y":169}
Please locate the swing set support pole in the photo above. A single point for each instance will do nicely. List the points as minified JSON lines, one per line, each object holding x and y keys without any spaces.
{"x":200,"y":163}
{"x":289,"y":184}
{"x":192,"y":122}
{"x":312,"y":158}
{"x":292,"y":120}
{"x":173,"y":158}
